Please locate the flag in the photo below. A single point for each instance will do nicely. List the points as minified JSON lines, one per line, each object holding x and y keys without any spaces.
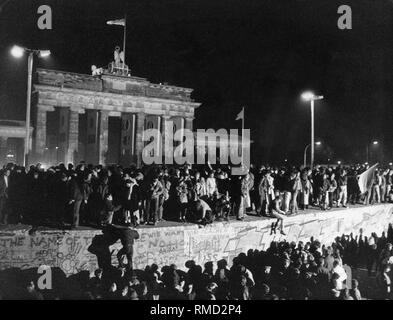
{"x":240,"y":116}
{"x":119,"y":22}
{"x":365,"y":180}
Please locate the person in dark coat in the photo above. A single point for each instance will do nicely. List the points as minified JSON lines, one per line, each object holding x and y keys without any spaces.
{"x":80,"y":192}
{"x":127,"y":237}
{"x":97,"y":199}
{"x":61,"y":195}
{"x":17,"y":194}
{"x":35,"y":197}
{"x":4,"y":185}
{"x":131,"y":198}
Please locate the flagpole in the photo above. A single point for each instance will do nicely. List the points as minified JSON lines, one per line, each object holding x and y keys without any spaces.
{"x":124,"y":40}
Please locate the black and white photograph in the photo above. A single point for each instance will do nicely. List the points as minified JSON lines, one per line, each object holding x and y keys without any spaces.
{"x":195,"y":154}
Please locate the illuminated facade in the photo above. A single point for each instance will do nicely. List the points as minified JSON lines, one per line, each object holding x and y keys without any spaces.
{"x":100,"y":119}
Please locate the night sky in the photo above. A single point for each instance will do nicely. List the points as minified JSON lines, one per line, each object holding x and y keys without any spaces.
{"x":260,"y":54}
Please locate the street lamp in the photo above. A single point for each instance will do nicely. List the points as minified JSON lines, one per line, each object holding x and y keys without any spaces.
{"x":375,"y":142}
{"x":318,"y":143}
{"x":17,"y":52}
{"x":309,"y":96}
{"x":57,"y":155}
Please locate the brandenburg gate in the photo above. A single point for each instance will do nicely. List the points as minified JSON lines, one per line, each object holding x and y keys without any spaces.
{"x":101,"y":119}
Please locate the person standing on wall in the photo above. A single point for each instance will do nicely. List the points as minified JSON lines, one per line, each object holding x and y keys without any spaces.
{"x":242,"y":202}
{"x":342,"y":182}
{"x":80,"y":192}
{"x":132,"y":200}
{"x":266,"y":192}
{"x":4,"y":182}
{"x":153,"y":198}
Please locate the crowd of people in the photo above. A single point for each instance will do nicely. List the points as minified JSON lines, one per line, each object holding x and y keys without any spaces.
{"x":285,"y":271}
{"x":93,"y":195}
{"x":117,"y":199}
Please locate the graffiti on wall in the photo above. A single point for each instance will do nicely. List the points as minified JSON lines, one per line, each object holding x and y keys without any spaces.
{"x":164,"y":246}
{"x":67,"y":251}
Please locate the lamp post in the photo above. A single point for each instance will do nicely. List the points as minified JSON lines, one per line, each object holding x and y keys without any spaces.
{"x":309,"y":96}
{"x":57,"y":155}
{"x":18,"y":52}
{"x":305,"y":152}
{"x":375,"y":142}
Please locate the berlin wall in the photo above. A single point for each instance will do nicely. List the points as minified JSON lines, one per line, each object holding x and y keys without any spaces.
{"x":165,"y":245}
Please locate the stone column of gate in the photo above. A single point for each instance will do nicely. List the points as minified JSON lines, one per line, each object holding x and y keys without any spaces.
{"x":159,"y":136}
{"x":73,"y":134}
{"x":3,"y":149}
{"x":189,"y":123}
{"x":103,"y":136}
{"x":40,"y":132}
{"x":167,"y":128}
{"x":139,"y":144}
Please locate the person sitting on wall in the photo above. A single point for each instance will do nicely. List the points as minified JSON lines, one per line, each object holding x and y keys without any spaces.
{"x":223,"y":206}
{"x":276,"y":212}
{"x":96,"y":71}
{"x":203,"y":212}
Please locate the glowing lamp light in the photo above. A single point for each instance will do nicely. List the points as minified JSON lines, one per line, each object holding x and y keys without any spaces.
{"x":17,"y":51}
{"x":44,"y":53}
{"x":375,"y":142}
{"x":318,"y":143}
{"x":338,"y":162}
{"x":390,"y":163}
{"x":308,"y":95}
